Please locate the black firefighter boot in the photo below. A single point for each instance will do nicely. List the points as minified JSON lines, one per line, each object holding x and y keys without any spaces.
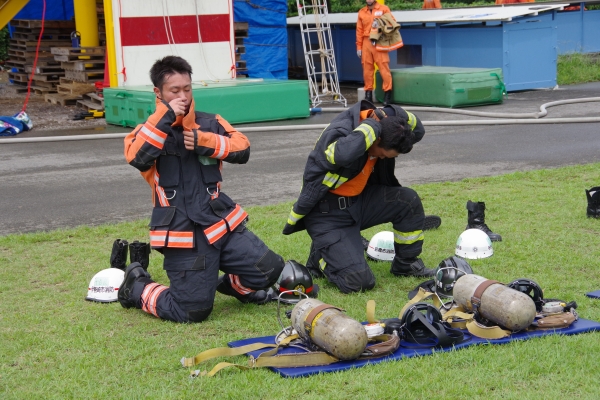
{"x":134,"y":273}
{"x":118,"y":257}
{"x":476,"y":220}
{"x":410,"y":267}
{"x":387,"y":98}
{"x":593,"y":198}
{"x":257,"y":297}
{"x":369,"y":95}
{"x":140,"y":252}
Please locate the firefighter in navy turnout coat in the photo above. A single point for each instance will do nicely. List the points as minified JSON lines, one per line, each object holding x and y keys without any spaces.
{"x":197,"y":228}
{"x":349,"y":185}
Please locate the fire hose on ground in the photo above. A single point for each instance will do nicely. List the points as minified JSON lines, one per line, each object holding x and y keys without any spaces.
{"x":502,"y":119}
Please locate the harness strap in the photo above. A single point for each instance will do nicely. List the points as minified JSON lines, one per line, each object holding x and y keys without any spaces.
{"x":476,"y":298}
{"x":313,"y":314}
{"x":467,"y":320}
{"x":422,"y":294}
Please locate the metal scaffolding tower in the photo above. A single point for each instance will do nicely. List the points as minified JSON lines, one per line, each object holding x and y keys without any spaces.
{"x":318,"y":53}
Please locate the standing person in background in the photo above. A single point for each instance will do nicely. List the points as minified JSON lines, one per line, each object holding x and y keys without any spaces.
{"x":431,"y":4}
{"x":367,"y":53}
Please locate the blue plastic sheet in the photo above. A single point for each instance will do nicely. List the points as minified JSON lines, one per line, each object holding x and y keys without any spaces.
{"x":266,"y":44}
{"x":579,"y":326}
{"x":56,"y":10}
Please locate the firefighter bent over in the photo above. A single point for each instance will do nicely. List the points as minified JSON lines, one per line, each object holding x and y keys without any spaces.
{"x":197,"y":228}
{"x":349,"y":185}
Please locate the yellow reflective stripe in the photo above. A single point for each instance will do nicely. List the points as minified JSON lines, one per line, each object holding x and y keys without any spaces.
{"x":329,"y":153}
{"x":294,"y":217}
{"x":408,"y":237}
{"x":322,"y":264}
{"x":412,"y":120}
{"x":330,"y":179}
{"x":340,"y":182}
{"x":369,"y":134}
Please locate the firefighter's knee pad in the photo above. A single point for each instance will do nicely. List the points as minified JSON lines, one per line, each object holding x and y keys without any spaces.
{"x":271,"y":264}
{"x":198,"y":315}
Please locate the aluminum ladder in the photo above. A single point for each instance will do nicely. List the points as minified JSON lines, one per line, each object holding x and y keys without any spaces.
{"x":318,"y":53}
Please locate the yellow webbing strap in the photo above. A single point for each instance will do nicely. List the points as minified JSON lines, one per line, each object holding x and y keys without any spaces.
{"x":487,"y":332}
{"x":422,"y":294}
{"x":223,"y":352}
{"x":468,"y":322}
{"x":266,"y":359}
{"x":371,"y":312}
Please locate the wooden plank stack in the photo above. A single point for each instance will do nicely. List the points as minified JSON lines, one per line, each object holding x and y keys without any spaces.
{"x":22,"y":49}
{"x":82,"y":67}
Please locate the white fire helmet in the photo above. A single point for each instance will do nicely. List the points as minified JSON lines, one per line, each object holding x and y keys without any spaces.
{"x":381,"y":247}
{"x":104,"y":286}
{"x":474,"y":244}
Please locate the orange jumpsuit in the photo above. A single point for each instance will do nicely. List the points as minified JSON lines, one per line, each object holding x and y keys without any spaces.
{"x":427,"y":4}
{"x":370,"y":56}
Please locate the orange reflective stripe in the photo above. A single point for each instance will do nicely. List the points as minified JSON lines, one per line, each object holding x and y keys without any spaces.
{"x":162,"y":197}
{"x":237,"y":286}
{"x":219,"y":229}
{"x":216,"y":231}
{"x":222,"y":147}
{"x":150,"y":297}
{"x":236,"y":217}
{"x":181,"y":239}
{"x":158,"y":238}
{"x":152,"y":135}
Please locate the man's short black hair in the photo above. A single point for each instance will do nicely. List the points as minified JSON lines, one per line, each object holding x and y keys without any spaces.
{"x":169,"y":65}
{"x":396,"y":135}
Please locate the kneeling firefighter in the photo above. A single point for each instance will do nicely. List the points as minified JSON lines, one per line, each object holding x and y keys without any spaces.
{"x":349,"y":185}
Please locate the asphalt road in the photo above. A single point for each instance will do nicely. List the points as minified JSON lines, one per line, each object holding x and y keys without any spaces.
{"x":50,"y":185}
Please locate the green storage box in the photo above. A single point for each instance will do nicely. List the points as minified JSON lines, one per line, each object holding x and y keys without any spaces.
{"x":238,"y":101}
{"x":444,"y":86}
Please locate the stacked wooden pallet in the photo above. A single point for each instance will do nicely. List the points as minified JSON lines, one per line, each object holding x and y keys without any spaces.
{"x":82,"y":66}
{"x":22,"y":52}
{"x":240,"y":32}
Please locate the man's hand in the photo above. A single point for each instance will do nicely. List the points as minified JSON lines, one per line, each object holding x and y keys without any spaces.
{"x":359,"y":53}
{"x":188,"y":140}
{"x":178,"y":105}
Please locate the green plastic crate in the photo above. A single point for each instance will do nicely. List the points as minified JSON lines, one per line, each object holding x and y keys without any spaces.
{"x":445,"y":86}
{"x":239,"y":101}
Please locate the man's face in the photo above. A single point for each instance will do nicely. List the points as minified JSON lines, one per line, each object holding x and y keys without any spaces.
{"x":377,"y":151}
{"x":370,"y":2}
{"x":176,"y":86}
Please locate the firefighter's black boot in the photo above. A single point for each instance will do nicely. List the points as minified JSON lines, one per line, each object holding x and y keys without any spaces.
{"x":476,"y":220}
{"x":369,"y":95}
{"x":410,"y":267}
{"x":140,"y":252}
{"x":387,"y":98}
{"x":134,"y":273}
{"x":257,"y":297}
{"x":431,"y":222}
{"x":118,"y":257}
{"x":593,"y":198}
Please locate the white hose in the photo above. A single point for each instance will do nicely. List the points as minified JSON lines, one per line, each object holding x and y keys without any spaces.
{"x":515,"y":118}
{"x":543,"y":112}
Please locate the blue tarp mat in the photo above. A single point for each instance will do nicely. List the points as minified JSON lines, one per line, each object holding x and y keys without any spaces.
{"x":579,"y":326}
{"x":56,"y":10}
{"x":594,"y":295}
{"x":266,"y":45}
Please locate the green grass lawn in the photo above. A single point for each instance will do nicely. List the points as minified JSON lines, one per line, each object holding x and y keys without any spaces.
{"x":54,"y":344}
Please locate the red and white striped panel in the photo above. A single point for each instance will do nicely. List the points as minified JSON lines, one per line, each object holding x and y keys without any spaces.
{"x":200,"y":31}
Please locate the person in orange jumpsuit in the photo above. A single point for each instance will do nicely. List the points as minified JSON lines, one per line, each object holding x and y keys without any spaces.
{"x":430,"y":4}
{"x":367,"y":53}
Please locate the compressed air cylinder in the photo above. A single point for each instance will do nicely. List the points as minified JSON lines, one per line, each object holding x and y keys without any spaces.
{"x":507,"y":307}
{"x":329,"y":328}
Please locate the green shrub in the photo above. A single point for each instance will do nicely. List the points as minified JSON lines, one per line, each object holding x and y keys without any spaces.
{"x":4,"y":38}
